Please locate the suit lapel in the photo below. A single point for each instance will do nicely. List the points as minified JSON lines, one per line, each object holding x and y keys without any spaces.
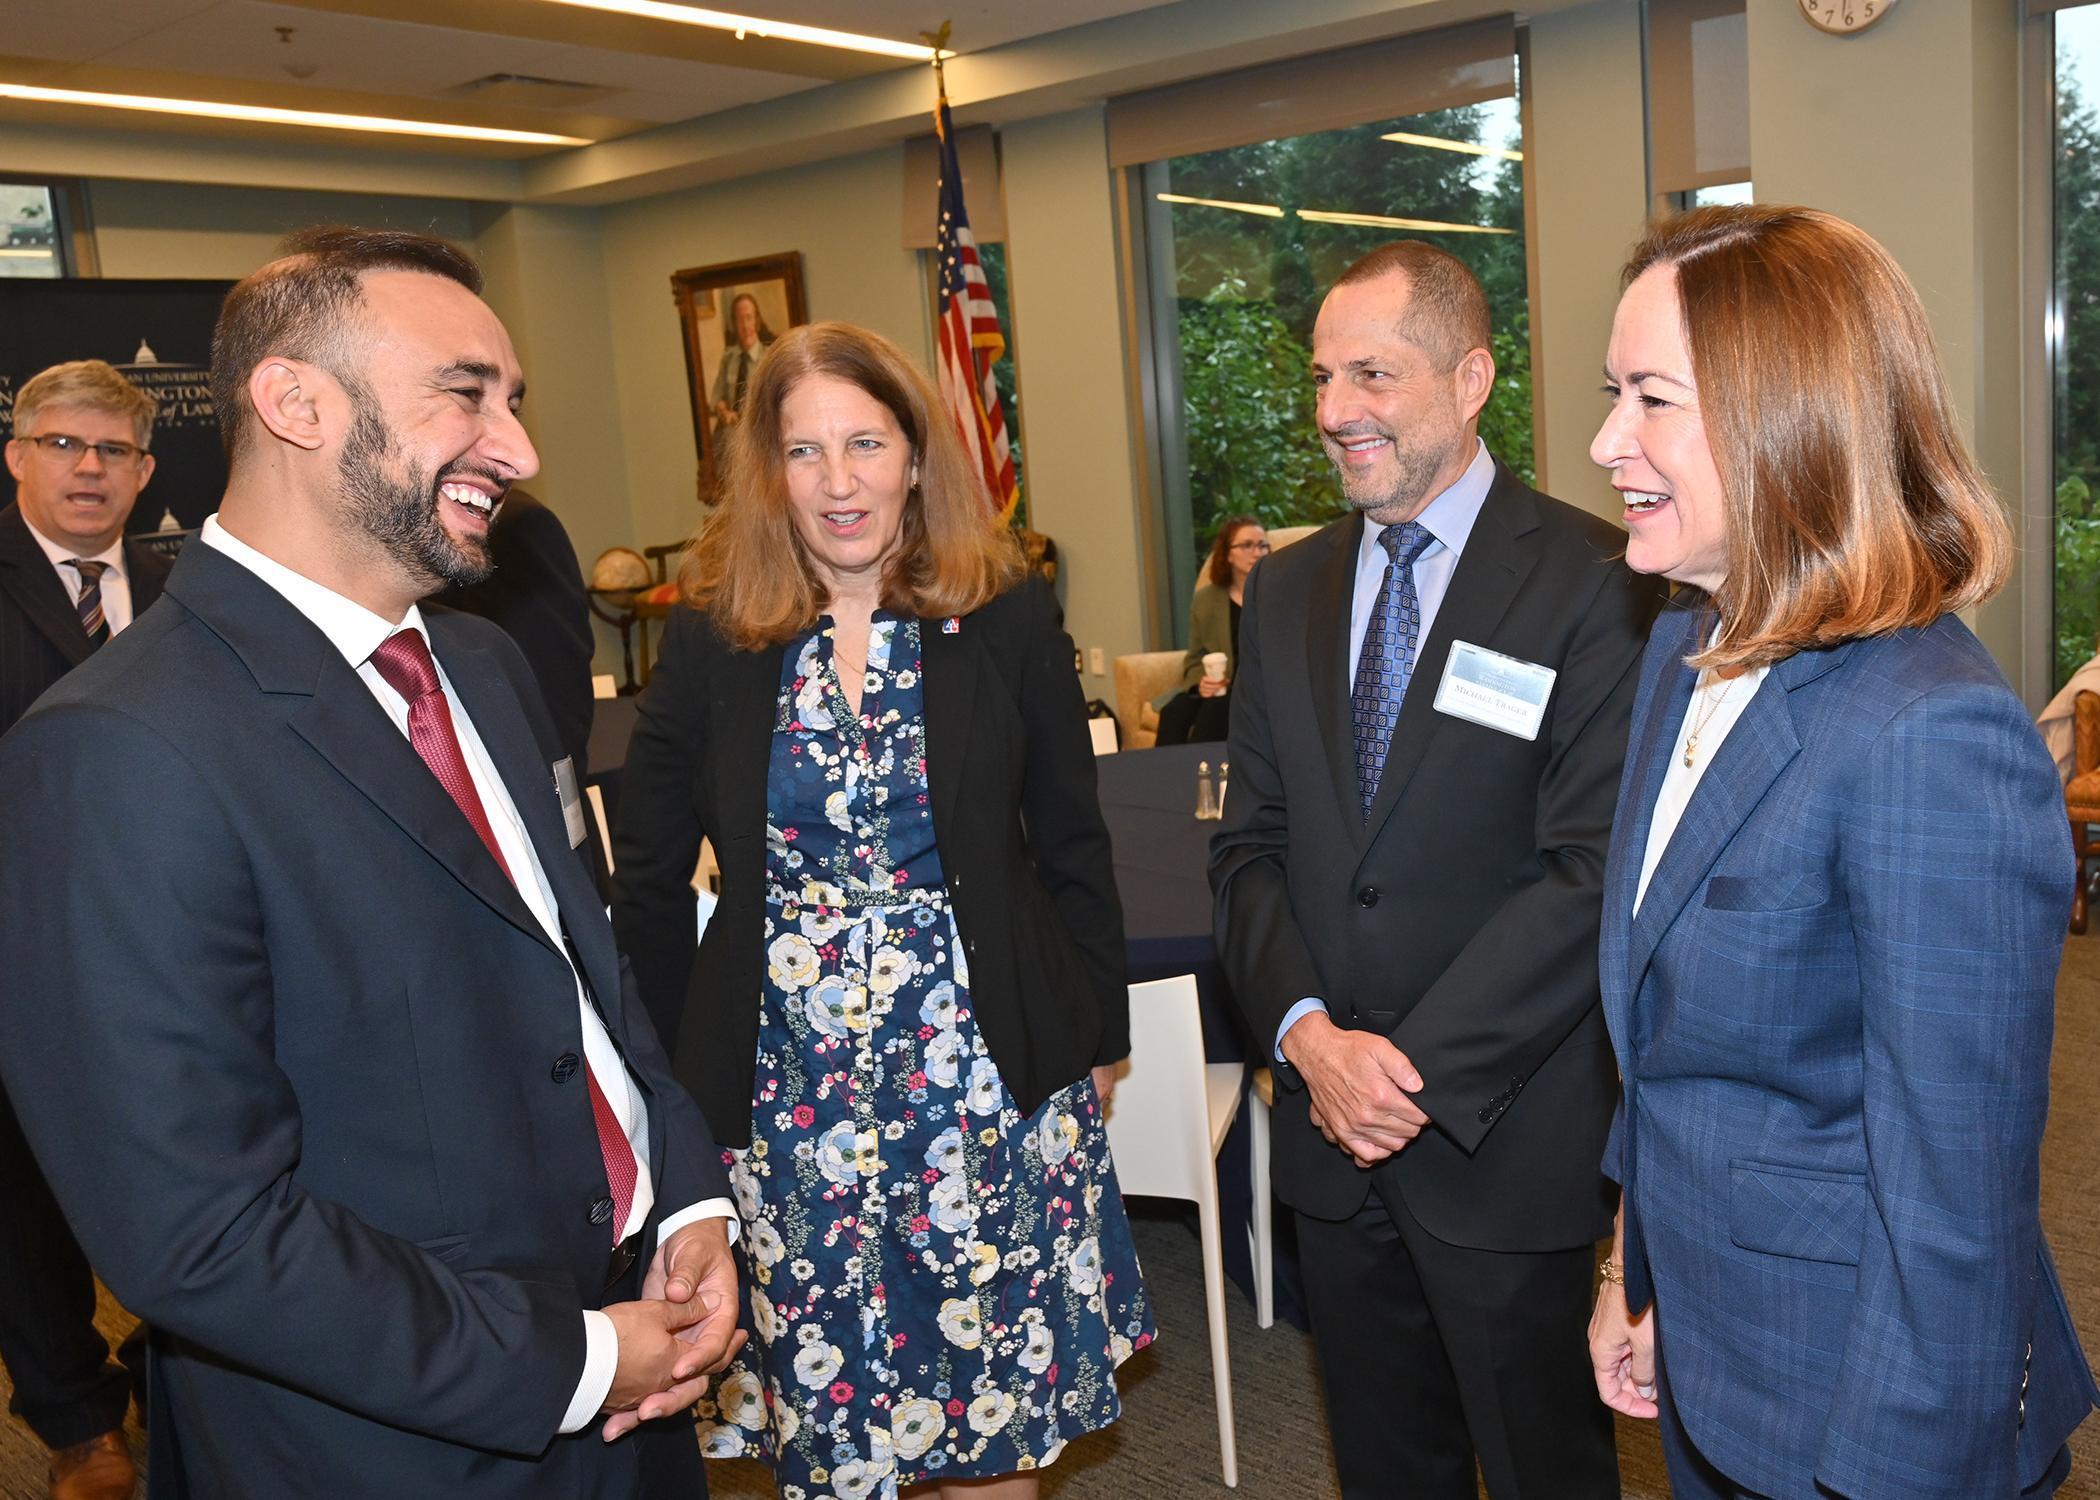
{"x":1499,"y":555}
{"x":1759,"y":747}
{"x":29,"y":579}
{"x":287,"y":654}
{"x":949,"y":693}
{"x":1328,"y":667}
{"x":1666,"y":689}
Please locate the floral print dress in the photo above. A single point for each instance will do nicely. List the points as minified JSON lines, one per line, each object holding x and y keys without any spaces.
{"x":937,"y":1286}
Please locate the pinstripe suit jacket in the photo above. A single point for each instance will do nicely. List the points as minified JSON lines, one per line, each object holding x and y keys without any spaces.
{"x":1833,"y":1017}
{"x":40,"y":635}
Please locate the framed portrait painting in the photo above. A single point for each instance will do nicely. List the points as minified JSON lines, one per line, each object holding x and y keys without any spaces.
{"x":730,"y":314}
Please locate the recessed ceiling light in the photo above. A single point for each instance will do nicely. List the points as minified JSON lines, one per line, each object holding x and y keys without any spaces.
{"x":1438,"y":143}
{"x":314,"y":119}
{"x":1265,"y":210}
{"x":742,"y":26}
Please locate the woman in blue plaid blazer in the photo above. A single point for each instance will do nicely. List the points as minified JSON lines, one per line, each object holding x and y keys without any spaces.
{"x":1834,"y":904}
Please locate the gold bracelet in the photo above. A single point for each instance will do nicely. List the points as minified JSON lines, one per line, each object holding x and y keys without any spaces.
{"x":1612,"y":1271}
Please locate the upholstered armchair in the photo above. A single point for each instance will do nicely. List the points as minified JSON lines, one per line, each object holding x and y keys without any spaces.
{"x":2082,"y":796}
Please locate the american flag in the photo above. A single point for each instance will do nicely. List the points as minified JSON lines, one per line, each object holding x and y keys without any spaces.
{"x":970,"y":340}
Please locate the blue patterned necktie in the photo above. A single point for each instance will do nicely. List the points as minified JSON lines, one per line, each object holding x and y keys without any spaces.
{"x":1388,"y":658}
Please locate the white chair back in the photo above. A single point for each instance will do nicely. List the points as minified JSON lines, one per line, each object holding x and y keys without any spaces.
{"x":1159,"y":1126}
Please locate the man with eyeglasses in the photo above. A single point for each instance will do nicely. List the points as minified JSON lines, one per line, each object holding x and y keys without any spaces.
{"x":68,"y":582}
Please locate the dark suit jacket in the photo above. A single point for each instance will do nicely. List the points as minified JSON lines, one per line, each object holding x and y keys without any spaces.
{"x":1023,"y":846}
{"x":298,"y":1060}
{"x":1833,"y":1015}
{"x":40,"y":635}
{"x":1461,"y":918}
{"x":536,"y":595}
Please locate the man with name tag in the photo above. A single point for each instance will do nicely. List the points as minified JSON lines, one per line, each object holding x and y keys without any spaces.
{"x":1427,"y":731}
{"x":322,"y":1040}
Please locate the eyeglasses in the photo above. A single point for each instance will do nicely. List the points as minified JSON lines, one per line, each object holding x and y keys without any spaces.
{"x":71,"y":451}
{"x":1261,"y":546}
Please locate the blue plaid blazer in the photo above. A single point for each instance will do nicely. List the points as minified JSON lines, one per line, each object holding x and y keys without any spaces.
{"x":1833,"y":1017}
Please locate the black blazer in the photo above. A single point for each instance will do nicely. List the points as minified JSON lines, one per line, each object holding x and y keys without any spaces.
{"x":40,"y":635}
{"x":1461,"y":916}
{"x":536,"y":595}
{"x":307,"y":1092}
{"x":1015,"y":816}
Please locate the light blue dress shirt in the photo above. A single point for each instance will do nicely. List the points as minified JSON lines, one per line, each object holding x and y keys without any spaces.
{"x":1449,"y":518}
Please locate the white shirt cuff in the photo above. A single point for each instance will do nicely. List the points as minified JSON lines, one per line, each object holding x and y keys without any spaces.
{"x":601,"y":1345}
{"x":601,"y":1361}
{"x":1293,"y":1016}
{"x":706,"y":1208}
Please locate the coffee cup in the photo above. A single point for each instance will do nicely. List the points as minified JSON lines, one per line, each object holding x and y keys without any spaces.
{"x":1214,"y":664}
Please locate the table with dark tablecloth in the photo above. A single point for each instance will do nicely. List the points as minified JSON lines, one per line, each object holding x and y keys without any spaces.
{"x":1148,"y":800}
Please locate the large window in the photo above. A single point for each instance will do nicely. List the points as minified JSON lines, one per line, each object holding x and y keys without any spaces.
{"x":2074,"y":328}
{"x":31,"y":243}
{"x":1243,"y":243}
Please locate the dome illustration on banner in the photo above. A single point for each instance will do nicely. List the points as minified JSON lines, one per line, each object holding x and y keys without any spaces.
{"x":183,"y":390}
{"x":145,"y":356}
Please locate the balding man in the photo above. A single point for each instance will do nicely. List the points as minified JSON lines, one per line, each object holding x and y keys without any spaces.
{"x":318,"y":1030}
{"x":1427,"y":730}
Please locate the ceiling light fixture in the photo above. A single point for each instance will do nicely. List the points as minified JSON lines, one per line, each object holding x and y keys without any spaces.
{"x":1263,"y":210}
{"x":263,"y":114}
{"x":1438,"y":143}
{"x":1386,"y":221}
{"x":740,"y":26}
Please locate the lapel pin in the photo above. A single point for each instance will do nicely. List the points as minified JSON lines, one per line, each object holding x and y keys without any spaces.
{"x":952,"y":625}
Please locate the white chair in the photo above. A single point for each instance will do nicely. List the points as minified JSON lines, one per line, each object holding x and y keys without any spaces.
{"x":1261,"y":1098}
{"x":1168,"y":1119}
{"x":1104,"y":734}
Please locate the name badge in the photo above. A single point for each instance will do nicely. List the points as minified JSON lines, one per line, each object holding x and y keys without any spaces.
{"x":1502,"y":692}
{"x":571,"y":798}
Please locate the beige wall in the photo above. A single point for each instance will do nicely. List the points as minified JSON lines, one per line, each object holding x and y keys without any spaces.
{"x":1911,"y":130}
{"x":1075,"y":414}
{"x":1588,"y":180}
{"x":199,"y":230}
{"x":841,"y":215}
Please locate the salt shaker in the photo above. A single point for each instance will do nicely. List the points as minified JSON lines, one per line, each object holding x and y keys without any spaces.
{"x":1206,"y":793}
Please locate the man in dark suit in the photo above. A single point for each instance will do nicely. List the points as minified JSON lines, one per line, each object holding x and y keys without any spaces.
{"x":536,"y":594}
{"x":322,"y":1040}
{"x":68,"y":582}
{"x":1429,"y":719}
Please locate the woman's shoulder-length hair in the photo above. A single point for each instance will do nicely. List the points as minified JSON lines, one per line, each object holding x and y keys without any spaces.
{"x":1853,"y":508}
{"x":748,"y":567}
{"x":1217,"y":568}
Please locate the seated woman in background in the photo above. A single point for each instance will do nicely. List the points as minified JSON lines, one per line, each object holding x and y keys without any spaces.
{"x":904,"y":1015}
{"x":1199,"y":708}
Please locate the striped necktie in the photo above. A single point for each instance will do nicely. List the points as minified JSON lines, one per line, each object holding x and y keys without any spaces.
{"x":90,"y":606}
{"x":406,"y":664}
{"x":1388,"y":658}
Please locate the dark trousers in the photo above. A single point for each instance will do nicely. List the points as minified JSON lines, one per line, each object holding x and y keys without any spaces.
{"x":1434,"y":1355}
{"x":66,"y":1389}
{"x":1190,"y":718}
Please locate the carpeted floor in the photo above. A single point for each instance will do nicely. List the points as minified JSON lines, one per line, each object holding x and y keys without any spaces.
{"x":1167,"y":1445}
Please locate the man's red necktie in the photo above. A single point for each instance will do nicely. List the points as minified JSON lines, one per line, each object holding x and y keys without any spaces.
{"x":404,"y":661}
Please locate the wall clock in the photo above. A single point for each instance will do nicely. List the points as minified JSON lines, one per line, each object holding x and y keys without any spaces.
{"x":1844,"y":17}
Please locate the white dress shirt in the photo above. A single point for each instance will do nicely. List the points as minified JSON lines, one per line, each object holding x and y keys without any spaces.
{"x":116,"y":588}
{"x":1716,"y":705}
{"x":356,"y":632}
{"x":1449,"y":518}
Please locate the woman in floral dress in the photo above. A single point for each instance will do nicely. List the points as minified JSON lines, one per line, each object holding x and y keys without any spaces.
{"x":911,"y":994}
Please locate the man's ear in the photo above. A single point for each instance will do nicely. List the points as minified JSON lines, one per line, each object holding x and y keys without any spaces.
{"x":1473,"y":382}
{"x":17,"y":457}
{"x":283,"y":393}
{"x":146,"y":467}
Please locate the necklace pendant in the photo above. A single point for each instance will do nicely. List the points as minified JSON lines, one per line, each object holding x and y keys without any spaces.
{"x":1691,"y":748}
